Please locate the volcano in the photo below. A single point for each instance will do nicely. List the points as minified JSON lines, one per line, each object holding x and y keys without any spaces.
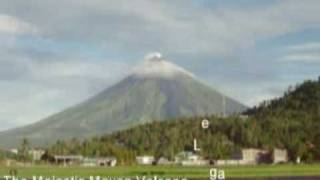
{"x":156,"y":90}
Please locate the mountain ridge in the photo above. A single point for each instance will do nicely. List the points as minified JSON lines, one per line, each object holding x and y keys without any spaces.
{"x":161,"y":92}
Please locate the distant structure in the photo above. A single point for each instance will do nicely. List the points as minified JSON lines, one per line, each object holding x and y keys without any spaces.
{"x":229,"y":162}
{"x":101,"y":161}
{"x":164,"y":161}
{"x":298,"y":160}
{"x":252,"y":156}
{"x":14,"y":151}
{"x":36,"y":154}
{"x":68,"y":160}
{"x":280,"y":156}
{"x":145,"y":160}
{"x":187,"y":158}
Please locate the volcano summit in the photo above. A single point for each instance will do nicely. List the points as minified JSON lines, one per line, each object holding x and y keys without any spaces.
{"x":156,"y":90}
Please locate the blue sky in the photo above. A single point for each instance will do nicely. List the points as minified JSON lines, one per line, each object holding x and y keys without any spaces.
{"x":54,"y":54}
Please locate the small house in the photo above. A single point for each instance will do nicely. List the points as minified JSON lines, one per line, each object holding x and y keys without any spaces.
{"x":145,"y":160}
{"x":254,"y":156}
{"x":68,"y":159}
{"x":187,"y":158}
{"x":89,"y":162}
{"x":280,"y":156}
{"x":101,"y":161}
{"x":185,"y":155}
{"x":250,"y":156}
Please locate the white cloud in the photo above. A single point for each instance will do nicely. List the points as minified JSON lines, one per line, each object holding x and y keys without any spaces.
{"x":130,"y":29}
{"x":302,"y":57}
{"x":106,"y":70}
{"x":171,"y":26}
{"x":12,"y":25}
{"x":44,"y":88}
{"x":305,"y":46}
{"x":27,"y":104}
{"x":307,"y":52}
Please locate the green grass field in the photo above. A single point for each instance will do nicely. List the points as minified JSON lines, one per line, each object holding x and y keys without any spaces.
{"x":167,"y":171}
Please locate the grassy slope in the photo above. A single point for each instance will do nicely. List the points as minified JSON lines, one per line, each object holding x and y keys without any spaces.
{"x":169,"y":171}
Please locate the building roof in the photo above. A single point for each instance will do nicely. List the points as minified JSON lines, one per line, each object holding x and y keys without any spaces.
{"x":68,"y":157}
{"x":101,"y":158}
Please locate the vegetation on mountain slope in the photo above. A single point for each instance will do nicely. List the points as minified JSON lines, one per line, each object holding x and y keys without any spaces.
{"x":291,"y":122}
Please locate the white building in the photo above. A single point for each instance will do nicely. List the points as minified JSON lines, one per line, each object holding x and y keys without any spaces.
{"x":190,"y":159}
{"x":230,"y":162}
{"x":101,"y":161}
{"x":68,"y":159}
{"x":14,"y":151}
{"x":36,"y":154}
{"x":145,"y":160}
{"x":254,"y":156}
{"x":280,"y":156}
{"x":250,"y":156}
